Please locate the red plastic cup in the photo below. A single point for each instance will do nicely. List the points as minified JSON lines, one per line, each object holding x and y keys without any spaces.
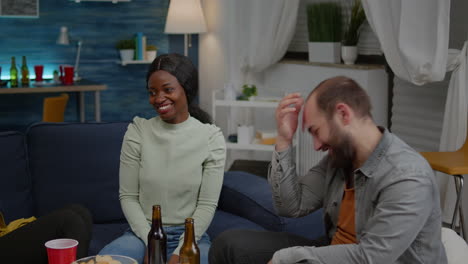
{"x":38,"y":70}
{"x":61,"y":251}
{"x":68,"y":75}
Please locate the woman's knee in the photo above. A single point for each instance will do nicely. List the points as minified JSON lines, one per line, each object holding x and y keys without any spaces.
{"x":204,"y":245}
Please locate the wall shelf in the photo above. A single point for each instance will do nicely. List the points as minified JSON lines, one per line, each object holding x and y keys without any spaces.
{"x":134,"y":62}
{"x":112,"y":1}
{"x":254,"y":104}
{"x":253,"y":146}
{"x":261,"y":112}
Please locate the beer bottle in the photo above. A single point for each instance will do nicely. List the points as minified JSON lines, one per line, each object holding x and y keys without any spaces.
{"x":189,"y":252}
{"x":24,"y":73}
{"x":157,"y":239}
{"x":13,"y":73}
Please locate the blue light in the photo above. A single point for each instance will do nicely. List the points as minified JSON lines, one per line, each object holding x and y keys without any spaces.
{"x":31,"y":77}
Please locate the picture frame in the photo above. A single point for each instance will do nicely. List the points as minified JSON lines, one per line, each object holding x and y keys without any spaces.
{"x":19,"y":8}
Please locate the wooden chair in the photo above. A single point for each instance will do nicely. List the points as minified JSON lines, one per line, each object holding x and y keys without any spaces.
{"x":453,"y":163}
{"x":54,"y":108}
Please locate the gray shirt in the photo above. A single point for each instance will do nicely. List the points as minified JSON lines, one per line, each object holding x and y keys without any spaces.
{"x":397,"y":208}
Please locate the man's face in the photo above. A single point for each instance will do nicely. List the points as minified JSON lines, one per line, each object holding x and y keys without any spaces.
{"x":328,"y":135}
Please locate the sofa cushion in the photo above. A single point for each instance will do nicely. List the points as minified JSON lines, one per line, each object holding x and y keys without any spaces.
{"x":77,"y":163}
{"x":250,"y":196}
{"x":15,"y":182}
{"x":223,"y":221}
{"x":310,"y":226}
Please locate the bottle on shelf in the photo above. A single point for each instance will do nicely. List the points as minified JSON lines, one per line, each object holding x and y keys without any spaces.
{"x":157,"y":239}
{"x":13,"y":73}
{"x":189,"y":252}
{"x":24,"y":73}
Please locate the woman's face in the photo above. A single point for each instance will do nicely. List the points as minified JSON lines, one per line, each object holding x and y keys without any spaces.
{"x":167,"y":96}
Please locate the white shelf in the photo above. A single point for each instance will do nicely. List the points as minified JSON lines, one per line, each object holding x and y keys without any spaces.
{"x":134,"y":62}
{"x":258,"y":147}
{"x":113,"y":1}
{"x":239,"y":103}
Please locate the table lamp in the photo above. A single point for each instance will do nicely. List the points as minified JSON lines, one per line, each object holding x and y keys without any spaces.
{"x":64,"y":39}
{"x":185,"y":17}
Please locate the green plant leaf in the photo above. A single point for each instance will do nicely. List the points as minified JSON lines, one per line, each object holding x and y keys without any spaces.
{"x":356,"y":19}
{"x":324,"y":22}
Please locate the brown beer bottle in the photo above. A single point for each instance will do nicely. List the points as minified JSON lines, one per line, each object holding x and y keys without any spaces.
{"x":189,"y":253}
{"x":157,"y":239}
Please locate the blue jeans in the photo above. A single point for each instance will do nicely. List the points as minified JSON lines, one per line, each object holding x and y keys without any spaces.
{"x":132,"y":246}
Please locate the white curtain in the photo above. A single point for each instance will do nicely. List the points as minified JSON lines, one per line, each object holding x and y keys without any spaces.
{"x":455,"y":123}
{"x":414,"y":37}
{"x":257,"y":36}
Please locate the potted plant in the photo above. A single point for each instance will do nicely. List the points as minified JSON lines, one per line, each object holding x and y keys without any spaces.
{"x":351,"y":34}
{"x":126,"y":48}
{"x":151,"y":52}
{"x":248,"y":92}
{"x":324,"y":27}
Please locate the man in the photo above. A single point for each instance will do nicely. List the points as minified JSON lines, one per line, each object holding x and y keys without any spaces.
{"x":379,"y":196}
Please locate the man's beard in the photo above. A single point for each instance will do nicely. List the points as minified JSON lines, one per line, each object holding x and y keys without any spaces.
{"x":343,"y":152}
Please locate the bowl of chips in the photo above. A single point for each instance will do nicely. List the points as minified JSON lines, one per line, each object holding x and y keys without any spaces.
{"x":106,"y":259}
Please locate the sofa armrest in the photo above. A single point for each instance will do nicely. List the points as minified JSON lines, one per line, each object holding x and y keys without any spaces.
{"x":250,"y":197}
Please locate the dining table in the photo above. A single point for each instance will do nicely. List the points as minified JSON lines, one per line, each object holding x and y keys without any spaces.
{"x":49,"y":86}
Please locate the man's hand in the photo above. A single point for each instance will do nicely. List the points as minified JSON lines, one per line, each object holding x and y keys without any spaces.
{"x":174,"y":259}
{"x":270,"y":262}
{"x":287,"y":114}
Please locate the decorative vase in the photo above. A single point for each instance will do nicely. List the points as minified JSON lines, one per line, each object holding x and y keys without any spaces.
{"x":349,"y":54}
{"x":324,"y":52}
{"x":127,"y":54}
{"x":151,"y":55}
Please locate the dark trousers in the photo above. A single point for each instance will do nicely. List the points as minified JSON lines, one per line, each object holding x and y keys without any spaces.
{"x":26,"y":244}
{"x":254,"y":247}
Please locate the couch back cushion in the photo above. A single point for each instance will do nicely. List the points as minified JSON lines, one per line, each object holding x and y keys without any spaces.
{"x":77,"y":163}
{"x":250,"y":196}
{"x":15,"y":182}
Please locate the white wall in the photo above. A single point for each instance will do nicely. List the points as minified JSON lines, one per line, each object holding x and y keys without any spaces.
{"x":211,"y":52}
{"x":293,"y":77}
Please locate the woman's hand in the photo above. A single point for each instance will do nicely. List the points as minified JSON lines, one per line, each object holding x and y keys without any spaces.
{"x":174,"y":259}
{"x":287,"y":115}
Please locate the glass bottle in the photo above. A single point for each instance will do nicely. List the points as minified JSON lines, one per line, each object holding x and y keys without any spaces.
{"x":157,"y":239}
{"x":189,"y":252}
{"x":24,"y":73}
{"x":13,"y":73}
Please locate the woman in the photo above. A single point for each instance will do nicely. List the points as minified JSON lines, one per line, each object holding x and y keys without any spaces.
{"x":175,"y":159}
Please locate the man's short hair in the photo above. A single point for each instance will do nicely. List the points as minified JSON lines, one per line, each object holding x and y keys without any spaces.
{"x":342,"y":89}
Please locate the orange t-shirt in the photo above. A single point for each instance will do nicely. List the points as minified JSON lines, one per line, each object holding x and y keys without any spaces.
{"x":346,"y":229}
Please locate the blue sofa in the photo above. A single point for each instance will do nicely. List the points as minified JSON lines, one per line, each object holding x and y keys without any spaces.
{"x":54,"y":164}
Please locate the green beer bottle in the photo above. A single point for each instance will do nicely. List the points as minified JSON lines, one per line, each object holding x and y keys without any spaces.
{"x":13,"y":73}
{"x":24,"y":73}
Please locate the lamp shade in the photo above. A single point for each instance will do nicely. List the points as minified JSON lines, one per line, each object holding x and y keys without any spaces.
{"x":63,"y":36}
{"x":185,"y":17}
